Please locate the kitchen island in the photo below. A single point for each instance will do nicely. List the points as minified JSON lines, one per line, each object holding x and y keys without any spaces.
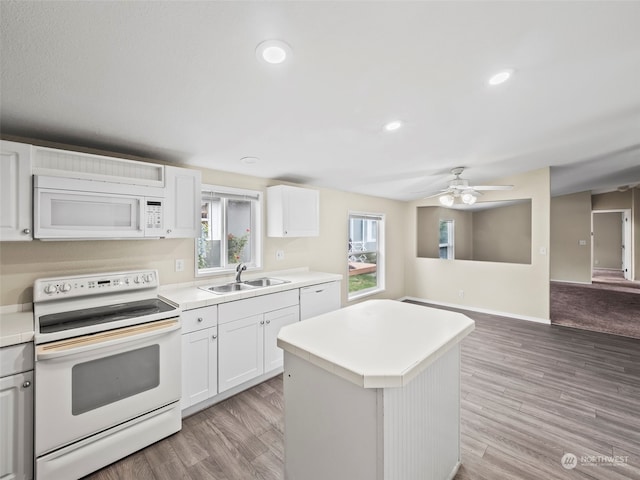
{"x":372,"y":392}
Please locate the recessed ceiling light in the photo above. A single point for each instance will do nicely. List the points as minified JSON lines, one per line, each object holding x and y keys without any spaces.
{"x":273,"y":51}
{"x":249,"y":160}
{"x":391,"y":126}
{"x":500,"y":77}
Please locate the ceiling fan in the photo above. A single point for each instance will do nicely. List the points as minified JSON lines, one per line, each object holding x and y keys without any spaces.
{"x":460,"y":188}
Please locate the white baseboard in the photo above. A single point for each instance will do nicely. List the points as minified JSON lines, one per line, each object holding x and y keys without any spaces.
{"x":479,"y":310}
{"x":571,"y":281}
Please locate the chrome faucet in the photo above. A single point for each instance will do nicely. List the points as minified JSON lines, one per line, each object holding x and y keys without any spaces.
{"x":240,"y":268}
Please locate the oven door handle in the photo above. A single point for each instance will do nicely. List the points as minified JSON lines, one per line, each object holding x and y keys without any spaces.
{"x":87,"y":343}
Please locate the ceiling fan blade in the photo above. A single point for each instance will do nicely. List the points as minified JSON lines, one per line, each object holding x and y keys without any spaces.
{"x":492,"y":187}
{"x":440,"y":192}
{"x":435,"y":195}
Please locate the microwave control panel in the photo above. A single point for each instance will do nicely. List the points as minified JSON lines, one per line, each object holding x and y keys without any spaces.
{"x":153,"y":220}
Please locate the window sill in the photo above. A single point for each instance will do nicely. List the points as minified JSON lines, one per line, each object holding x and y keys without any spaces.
{"x":364,"y":293}
{"x":225,"y":272}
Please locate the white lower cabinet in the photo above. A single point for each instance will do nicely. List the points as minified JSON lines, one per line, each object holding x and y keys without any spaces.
{"x":241,"y":351}
{"x":248,"y":330}
{"x":199,"y":355}
{"x":248,"y":346}
{"x":226,"y":345}
{"x":16,"y":413}
{"x":274,"y":321}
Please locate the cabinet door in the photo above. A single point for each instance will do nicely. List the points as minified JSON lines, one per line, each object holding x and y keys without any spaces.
{"x":301,"y":213}
{"x":182,"y":202}
{"x":15,"y":191}
{"x":199,"y":366}
{"x":274,"y":321}
{"x":292,"y":211}
{"x":16,"y":434}
{"x":240,"y":349}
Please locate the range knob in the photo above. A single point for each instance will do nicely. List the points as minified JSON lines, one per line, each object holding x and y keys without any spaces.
{"x":138,"y":279}
{"x":50,"y":289}
{"x":66,"y":287}
{"x":148,"y":277}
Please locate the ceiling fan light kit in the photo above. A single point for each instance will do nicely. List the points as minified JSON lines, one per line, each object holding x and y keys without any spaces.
{"x":447,"y":200}
{"x":469,"y":197}
{"x":460,"y":188}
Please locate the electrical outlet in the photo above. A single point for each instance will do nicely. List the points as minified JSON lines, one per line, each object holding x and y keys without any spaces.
{"x":583,"y":243}
{"x":179,"y":265}
{"x":461,"y":293}
{"x":279,"y":254}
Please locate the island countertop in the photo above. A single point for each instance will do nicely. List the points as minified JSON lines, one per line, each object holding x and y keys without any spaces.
{"x":377,"y":343}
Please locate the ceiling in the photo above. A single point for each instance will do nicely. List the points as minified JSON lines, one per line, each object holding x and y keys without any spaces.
{"x":180,"y":81}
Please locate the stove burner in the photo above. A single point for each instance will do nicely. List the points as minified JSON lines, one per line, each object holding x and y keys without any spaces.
{"x":58,"y":322}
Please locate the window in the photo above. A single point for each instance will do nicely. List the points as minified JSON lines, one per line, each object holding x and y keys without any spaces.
{"x":446,"y":239}
{"x":230,"y":230}
{"x":365,"y":254}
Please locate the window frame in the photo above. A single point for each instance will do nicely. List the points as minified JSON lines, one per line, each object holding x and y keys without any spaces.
{"x":256,"y":244}
{"x":379,"y":237}
{"x":450,"y":245}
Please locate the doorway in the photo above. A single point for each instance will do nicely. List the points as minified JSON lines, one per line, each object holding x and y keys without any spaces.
{"x":611,"y":246}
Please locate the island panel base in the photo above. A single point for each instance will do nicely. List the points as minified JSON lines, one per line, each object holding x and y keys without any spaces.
{"x":336,"y":429}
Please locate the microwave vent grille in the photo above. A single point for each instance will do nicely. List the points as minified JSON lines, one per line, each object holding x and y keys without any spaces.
{"x":64,"y":163}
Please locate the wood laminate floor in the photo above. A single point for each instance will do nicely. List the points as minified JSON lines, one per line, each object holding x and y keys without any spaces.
{"x":531,"y":393}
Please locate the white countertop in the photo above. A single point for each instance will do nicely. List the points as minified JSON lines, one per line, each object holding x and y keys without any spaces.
{"x":15,"y":328}
{"x":377,"y":343}
{"x":189,"y":296}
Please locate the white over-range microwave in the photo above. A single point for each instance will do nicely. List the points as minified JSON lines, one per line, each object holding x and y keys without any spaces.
{"x":69,"y":208}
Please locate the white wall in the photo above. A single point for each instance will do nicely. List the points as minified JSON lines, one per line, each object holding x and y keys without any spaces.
{"x":518,"y":289}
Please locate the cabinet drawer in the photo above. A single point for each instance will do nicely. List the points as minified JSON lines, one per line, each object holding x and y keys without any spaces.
{"x":16,"y":359}
{"x":257,"y":305}
{"x":199,"y":318}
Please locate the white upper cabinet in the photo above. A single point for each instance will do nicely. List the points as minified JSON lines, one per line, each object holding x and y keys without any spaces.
{"x":15,"y":191}
{"x":182,"y":202}
{"x":293,"y":211}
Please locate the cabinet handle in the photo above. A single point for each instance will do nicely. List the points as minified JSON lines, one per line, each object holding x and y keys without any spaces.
{"x":26,"y":231}
{"x":268,"y":322}
{"x":26,"y":384}
{"x":214,"y":336}
{"x":261,"y":322}
{"x":199,"y":319}
{"x":168,"y":231}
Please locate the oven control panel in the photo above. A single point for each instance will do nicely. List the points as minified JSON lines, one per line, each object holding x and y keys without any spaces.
{"x":77,"y":286}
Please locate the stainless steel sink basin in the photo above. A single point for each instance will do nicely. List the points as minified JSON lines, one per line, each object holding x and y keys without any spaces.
{"x":247,"y":285}
{"x":265,"y":282}
{"x":228,"y":287}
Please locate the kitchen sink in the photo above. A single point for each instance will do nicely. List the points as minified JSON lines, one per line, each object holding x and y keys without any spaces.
{"x":228,"y":287}
{"x":247,"y":285}
{"x":265,"y":282}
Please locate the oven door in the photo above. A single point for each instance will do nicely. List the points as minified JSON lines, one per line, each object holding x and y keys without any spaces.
{"x":85,"y":385}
